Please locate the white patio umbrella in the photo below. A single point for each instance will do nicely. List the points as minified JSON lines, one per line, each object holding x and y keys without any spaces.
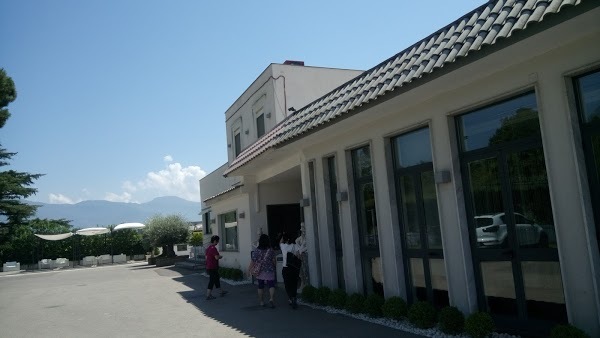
{"x":129,"y":226}
{"x":92,"y":231}
{"x":55,"y":237}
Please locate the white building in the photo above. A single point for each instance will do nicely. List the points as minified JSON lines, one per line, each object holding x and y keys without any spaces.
{"x":462,"y":170}
{"x":236,"y":208}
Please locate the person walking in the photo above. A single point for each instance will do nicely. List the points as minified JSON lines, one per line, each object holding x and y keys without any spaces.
{"x":212,"y":268}
{"x":262,"y":266}
{"x":291,"y":270}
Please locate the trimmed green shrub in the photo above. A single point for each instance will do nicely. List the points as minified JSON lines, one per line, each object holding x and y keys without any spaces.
{"x":452,"y":321}
{"x":394,"y":308}
{"x":309,"y":293}
{"x":479,"y":325}
{"x":231,"y":273}
{"x":338,"y":298}
{"x":237,"y":274}
{"x":355,"y":302}
{"x":567,"y":331}
{"x":322,"y":295}
{"x":422,"y":315}
{"x":373,"y":305}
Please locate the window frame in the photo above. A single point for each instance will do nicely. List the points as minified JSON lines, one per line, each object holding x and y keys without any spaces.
{"x":224,"y":238}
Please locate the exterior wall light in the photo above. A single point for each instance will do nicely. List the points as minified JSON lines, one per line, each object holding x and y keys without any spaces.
{"x":305,"y":202}
{"x":341,"y":196}
{"x":442,"y":176}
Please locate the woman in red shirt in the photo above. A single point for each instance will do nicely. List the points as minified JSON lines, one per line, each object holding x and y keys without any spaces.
{"x":212,"y":268}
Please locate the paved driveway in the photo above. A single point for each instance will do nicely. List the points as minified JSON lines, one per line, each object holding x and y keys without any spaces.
{"x":138,"y":300}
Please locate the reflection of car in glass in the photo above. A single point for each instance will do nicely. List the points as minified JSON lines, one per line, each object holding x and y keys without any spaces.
{"x":491,"y":231}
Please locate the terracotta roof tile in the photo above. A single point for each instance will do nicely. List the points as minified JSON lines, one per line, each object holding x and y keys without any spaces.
{"x":483,"y":26}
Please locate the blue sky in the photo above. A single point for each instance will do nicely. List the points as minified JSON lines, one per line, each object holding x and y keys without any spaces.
{"x":125,"y":100}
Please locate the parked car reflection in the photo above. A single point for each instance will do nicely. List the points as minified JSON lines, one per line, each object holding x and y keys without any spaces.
{"x":492,"y":232}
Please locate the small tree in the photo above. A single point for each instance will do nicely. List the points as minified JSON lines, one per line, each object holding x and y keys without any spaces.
{"x":166,"y":231}
{"x":197,"y":239}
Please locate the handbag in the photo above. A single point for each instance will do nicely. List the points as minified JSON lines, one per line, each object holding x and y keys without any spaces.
{"x":293,"y":261}
{"x":257,"y":266}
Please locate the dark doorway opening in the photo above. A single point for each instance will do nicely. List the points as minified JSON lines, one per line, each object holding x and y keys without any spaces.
{"x":283,"y":218}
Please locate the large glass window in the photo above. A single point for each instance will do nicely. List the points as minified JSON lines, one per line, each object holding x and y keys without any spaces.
{"x":510,"y":212}
{"x":419,"y":218}
{"x":588,"y":104}
{"x":335,"y":218}
{"x":229,"y":229}
{"x":367,"y":220}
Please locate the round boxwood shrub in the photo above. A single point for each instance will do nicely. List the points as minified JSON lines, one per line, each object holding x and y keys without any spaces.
{"x":355,"y":302}
{"x":308,"y":293}
{"x":322,"y":295}
{"x":373,"y":305}
{"x":394,"y":308}
{"x":337,"y":298}
{"x":567,"y":331}
{"x":237,"y":274}
{"x":479,"y":325}
{"x":422,"y":315}
{"x":452,"y":321}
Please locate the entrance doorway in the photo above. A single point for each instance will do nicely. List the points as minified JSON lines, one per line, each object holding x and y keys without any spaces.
{"x":283,"y":218}
{"x":510,"y":215}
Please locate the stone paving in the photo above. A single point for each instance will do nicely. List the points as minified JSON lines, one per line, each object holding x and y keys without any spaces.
{"x":135,"y":300}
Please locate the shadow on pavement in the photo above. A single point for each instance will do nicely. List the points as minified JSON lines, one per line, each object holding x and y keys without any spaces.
{"x":239,"y":310}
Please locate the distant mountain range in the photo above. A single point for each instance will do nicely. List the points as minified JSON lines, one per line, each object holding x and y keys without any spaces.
{"x":103,"y":213}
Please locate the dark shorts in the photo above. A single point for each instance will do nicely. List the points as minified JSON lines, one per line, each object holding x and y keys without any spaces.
{"x":261,"y":283}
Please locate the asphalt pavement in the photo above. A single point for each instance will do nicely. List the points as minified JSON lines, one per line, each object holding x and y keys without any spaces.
{"x":136,"y":300}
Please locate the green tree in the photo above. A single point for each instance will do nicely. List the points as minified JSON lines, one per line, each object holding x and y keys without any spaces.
{"x":166,"y":231}
{"x":23,"y":246}
{"x":14,"y":185}
{"x":197,"y":239}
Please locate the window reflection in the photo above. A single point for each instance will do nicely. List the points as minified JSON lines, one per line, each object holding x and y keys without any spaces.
{"x":434,"y":236}
{"x":439,"y":283}
{"x":413,"y":148}
{"x":369,"y":215}
{"x":230,"y":231}
{"x":544,"y":290}
{"x":531,"y":199}
{"x":589,"y":97}
{"x":506,"y":121}
{"x":362,"y":162}
{"x":410,"y":212}
{"x":499,"y":287}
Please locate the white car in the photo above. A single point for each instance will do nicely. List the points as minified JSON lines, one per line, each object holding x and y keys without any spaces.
{"x":491,"y":231}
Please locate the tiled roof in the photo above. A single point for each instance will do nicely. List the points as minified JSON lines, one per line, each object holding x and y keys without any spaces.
{"x":483,"y":26}
{"x":222,"y":193}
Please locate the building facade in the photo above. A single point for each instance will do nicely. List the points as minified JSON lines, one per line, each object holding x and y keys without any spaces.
{"x":237,"y":208}
{"x":461,"y":171}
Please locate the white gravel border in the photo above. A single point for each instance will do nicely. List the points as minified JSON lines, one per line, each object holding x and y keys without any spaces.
{"x":402,"y":325}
